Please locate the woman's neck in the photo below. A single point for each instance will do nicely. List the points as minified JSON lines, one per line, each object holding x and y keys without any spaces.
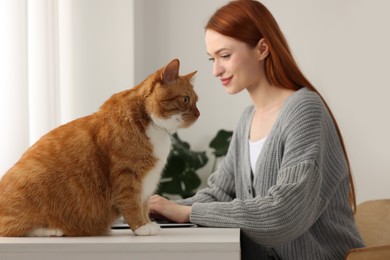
{"x":267,"y":98}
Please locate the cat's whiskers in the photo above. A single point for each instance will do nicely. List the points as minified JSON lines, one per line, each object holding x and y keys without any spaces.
{"x":170,"y":124}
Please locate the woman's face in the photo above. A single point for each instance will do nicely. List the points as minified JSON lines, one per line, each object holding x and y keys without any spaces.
{"x":235,"y":63}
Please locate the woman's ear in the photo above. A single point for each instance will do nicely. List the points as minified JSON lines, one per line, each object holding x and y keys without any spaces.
{"x":262,"y":49}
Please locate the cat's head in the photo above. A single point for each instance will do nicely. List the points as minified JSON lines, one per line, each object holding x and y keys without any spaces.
{"x":171,"y":103}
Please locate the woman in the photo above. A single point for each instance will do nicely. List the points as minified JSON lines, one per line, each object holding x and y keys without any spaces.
{"x":285,"y":181}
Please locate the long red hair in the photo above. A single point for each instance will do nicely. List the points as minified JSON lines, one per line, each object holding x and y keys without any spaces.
{"x":249,"y":21}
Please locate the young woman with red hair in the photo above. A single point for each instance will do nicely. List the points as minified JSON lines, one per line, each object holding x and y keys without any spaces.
{"x":286,"y":180}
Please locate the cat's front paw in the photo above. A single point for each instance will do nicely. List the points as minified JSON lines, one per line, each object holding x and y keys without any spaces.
{"x":149,"y":229}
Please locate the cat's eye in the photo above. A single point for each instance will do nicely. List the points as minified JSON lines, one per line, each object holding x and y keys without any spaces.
{"x":186,"y":99}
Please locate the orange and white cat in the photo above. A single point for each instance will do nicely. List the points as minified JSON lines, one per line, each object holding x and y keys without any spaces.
{"x":77,"y":179}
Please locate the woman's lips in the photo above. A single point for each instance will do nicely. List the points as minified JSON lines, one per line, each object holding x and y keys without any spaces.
{"x":226,"y":81}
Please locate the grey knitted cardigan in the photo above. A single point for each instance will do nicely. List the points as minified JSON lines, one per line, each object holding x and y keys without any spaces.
{"x":297,"y":205}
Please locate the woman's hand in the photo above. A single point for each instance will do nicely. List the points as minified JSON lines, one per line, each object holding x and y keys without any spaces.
{"x":160,"y":206}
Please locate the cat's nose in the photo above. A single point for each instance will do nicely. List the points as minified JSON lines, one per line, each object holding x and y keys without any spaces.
{"x":196,"y":113}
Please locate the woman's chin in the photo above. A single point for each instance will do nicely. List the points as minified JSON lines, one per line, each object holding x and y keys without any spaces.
{"x":232,"y":90}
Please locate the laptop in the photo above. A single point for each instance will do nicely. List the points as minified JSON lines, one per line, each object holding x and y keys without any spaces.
{"x":161,"y":223}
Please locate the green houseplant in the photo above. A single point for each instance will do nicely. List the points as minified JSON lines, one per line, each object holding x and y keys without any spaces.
{"x":180,"y":173}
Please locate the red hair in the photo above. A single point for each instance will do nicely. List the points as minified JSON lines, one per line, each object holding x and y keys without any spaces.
{"x":250,"y":21}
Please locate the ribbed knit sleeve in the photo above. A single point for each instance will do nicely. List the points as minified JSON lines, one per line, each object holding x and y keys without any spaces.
{"x":301,"y":180}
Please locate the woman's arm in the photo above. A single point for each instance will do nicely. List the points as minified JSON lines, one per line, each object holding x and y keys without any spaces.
{"x":161,"y":207}
{"x":220,"y":188}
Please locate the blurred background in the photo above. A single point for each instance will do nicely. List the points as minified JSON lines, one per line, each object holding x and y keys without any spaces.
{"x":61,"y":59}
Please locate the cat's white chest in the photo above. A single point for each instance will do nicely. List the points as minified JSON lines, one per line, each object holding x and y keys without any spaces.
{"x":161,"y":142}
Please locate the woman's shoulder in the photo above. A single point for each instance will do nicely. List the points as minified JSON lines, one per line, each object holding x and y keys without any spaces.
{"x":302,"y":109}
{"x":303,"y":101}
{"x":305,"y":96}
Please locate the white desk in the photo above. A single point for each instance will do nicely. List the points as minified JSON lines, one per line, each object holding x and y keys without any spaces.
{"x":171,"y":243}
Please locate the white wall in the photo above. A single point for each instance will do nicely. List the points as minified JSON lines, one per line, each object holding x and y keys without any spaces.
{"x":102,"y":52}
{"x":340,"y":45}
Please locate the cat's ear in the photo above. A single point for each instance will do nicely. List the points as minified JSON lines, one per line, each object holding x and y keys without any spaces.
{"x":170,"y":72}
{"x":190,"y":75}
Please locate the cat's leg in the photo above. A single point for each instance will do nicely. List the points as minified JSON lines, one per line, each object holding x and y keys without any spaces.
{"x":151,"y":228}
{"x":130,"y":204}
{"x":45,"y":232}
{"x":139,"y":222}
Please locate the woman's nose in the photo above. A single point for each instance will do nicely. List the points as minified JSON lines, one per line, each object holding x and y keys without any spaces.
{"x":217,"y":69}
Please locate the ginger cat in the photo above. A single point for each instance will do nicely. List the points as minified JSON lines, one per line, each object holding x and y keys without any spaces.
{"x":77,"y":179}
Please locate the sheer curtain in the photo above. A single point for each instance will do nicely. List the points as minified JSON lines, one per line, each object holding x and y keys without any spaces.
{"x":34,"y":44}
{"x":59,"y":60}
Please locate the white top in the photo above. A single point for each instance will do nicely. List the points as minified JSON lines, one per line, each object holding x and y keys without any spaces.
{"x":254,"y":151}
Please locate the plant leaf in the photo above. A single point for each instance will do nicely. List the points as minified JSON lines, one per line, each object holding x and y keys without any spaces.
{"x":191,"y":180}
{"x":220,"y":143}
{"x":179,"y":175}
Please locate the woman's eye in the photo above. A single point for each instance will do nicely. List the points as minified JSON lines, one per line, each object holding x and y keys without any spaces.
{"x":224,"y":57}
{"x":186,"y":99}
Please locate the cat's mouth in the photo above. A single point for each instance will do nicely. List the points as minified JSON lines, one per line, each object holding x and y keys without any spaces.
{"x":189,"y":118}
{"x":172,"y":123}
